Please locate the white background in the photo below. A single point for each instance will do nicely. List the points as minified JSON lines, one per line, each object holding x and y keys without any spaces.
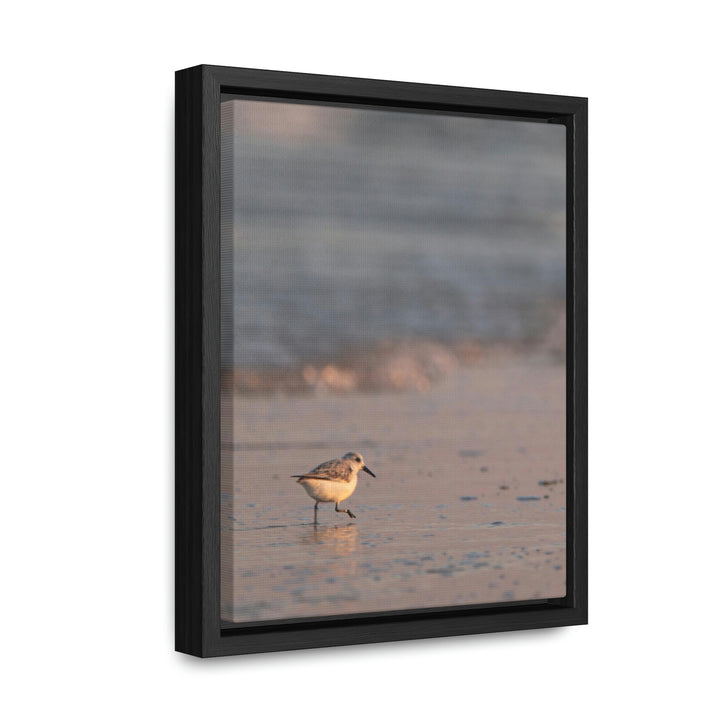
{"x":86,"y":295}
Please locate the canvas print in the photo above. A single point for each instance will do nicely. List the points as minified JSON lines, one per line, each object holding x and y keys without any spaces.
{"x":393,"y":299}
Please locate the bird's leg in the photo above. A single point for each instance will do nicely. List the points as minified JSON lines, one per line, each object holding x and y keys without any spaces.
{"x":315,"y":523}
{"x":337,"y":509}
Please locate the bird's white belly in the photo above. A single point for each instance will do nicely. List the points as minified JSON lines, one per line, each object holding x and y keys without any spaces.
{"x":327,"y":491}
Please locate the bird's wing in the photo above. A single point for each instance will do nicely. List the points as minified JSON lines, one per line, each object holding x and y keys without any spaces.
{"x":332,"y":470}
{"x":315,"y":477}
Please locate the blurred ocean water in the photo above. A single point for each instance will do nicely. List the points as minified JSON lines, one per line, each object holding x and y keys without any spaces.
{"x":354,"y":227}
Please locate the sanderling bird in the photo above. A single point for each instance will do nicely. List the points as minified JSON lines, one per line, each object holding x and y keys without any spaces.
{"x":334,"y":480}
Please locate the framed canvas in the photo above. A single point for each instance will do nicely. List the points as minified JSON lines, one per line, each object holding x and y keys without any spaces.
{"x":381,"y":361}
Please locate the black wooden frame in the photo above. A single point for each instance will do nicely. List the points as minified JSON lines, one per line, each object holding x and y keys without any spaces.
{"x":198,"y":629}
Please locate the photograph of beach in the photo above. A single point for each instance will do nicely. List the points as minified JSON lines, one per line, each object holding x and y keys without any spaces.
{"x":393,"y":360}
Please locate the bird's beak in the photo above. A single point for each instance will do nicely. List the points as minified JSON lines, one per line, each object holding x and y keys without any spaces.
{"x":368,"y":470}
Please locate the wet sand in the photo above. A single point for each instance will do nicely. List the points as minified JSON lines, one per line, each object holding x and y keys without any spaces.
{"x":468,"y":505}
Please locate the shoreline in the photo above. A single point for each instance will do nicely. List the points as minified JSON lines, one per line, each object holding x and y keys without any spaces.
{"x":406,"y":365}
